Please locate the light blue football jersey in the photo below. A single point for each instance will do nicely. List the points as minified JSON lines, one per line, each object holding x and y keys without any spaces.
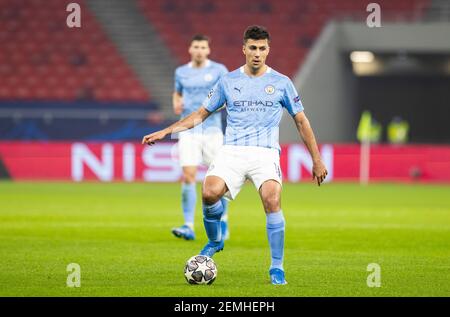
{"x":194,"y":84}
{"x":254,"y":106}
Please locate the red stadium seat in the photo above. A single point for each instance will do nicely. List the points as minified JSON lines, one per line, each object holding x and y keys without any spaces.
{"x":47,"y":60}
{"x":292,"y":23}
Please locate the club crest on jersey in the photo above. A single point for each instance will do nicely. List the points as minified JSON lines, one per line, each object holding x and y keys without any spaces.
{"x":208,"y":77}
{"x":269,"y":89}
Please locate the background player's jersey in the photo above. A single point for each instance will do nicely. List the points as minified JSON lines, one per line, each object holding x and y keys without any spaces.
{"x":194,"y":84}
{"x":254,"y":106}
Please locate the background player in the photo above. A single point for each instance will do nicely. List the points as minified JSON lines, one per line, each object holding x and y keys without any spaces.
{"x":193,"y":81}
{"x":254,"y":95}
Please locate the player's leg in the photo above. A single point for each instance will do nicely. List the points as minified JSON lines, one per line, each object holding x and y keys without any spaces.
{"x":188,"y":201}
{"x":266,"y":176}
{"x":225,"y":176}
{"x":213,"y":190}
{"x":212,"y":142}
{"x":189,"y":157}
{"x":270,"y":192}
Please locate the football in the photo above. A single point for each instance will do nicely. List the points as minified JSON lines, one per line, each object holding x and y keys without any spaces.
{"x":200,"y":269}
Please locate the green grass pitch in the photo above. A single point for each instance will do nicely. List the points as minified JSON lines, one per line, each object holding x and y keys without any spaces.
{"x":120,"y":236}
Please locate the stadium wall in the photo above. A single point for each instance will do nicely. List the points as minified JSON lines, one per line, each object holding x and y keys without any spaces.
{"x":129,"y":162}
{"x":327,"y":85}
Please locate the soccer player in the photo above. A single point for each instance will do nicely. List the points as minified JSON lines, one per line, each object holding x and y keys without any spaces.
{"x":255,"y":96}
{"x":193,"y":81}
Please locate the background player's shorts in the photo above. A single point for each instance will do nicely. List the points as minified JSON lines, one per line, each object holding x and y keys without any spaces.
{"x":234,"y":164}
{"x":197,"y":148}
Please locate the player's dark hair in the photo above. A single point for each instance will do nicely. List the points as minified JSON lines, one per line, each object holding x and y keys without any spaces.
{"x":200,"y":37}
{"x":256,"y":32}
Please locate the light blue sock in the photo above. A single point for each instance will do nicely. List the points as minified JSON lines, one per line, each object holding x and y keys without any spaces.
{"x":224,"y":220}
{"x":188,"y":200}
{"x":225,"y":206}
{"x":211,"y":220}
{"x":275,"y":234}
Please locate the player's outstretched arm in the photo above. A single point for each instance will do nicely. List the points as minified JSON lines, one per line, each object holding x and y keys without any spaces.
{"x":319,"y":171}
{"x":186,"y":123}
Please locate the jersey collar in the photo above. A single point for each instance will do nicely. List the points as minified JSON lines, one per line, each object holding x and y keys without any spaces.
{"x":268,"y":70}
{"x":207,"y":63}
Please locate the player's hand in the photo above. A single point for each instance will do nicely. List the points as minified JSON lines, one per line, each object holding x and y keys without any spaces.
{"x":178,"y":107}
{"x":151,"y":138}
{"x":319,"y":172}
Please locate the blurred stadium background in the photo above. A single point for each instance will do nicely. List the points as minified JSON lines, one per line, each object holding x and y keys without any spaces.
{"x":75,"y":103}
{"x":111,"y":81}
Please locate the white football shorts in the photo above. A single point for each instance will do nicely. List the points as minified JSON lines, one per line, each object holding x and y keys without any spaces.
{"x":235,"y":164}
{"x":195,"y":149}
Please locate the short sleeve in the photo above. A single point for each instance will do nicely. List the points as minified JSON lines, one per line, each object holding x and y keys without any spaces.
{"x":216,"y":97}
{"x":291,"y":100}
{"x":178,"y":87}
